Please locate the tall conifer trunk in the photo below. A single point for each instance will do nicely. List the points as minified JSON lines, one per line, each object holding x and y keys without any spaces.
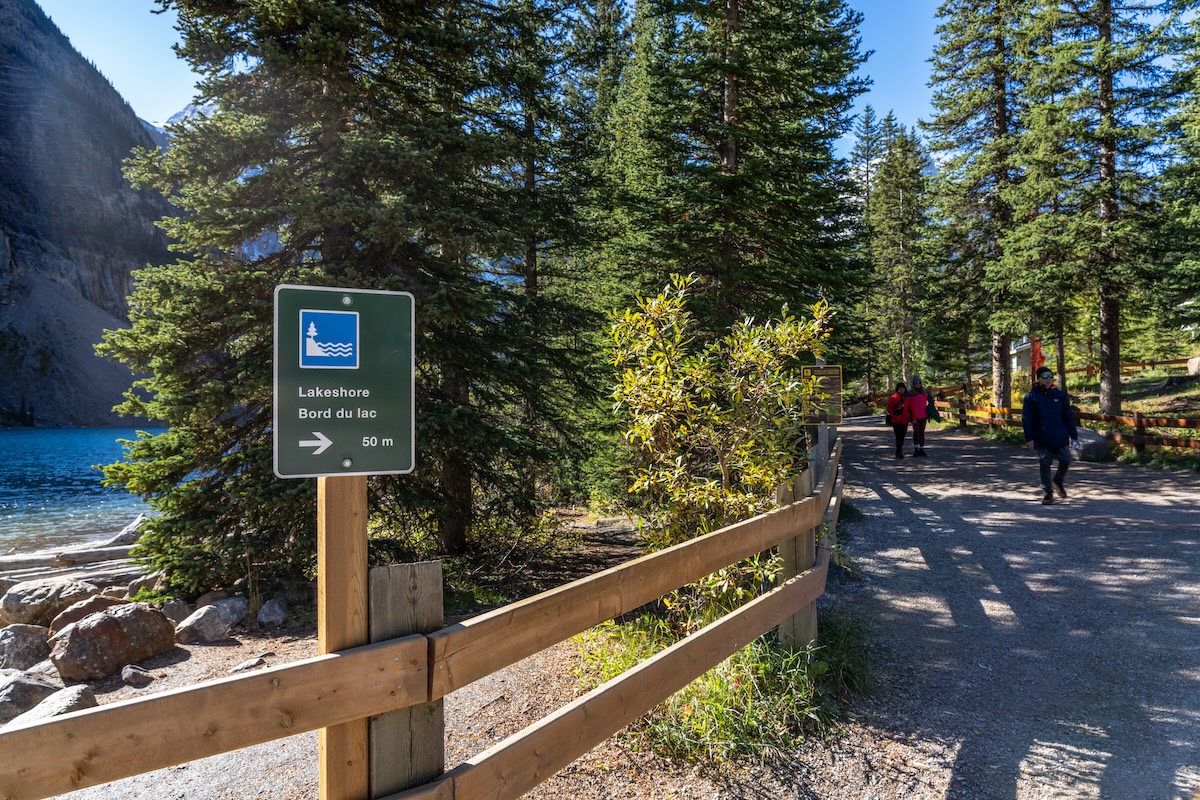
{"x":454,"y":477}
{"x":1001,"y":371}
{"x":1002,"y":211}
{"x":1110,"y":305}
{"x":729,"y":151}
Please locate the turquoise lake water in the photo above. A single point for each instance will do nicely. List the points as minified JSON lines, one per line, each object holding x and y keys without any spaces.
{"x":50,"y":493}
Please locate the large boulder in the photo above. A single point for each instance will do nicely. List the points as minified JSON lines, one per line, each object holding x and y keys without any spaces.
{"x":21,"y":692}
{"x":1194,"y":366}
{"x":233,"y":610}
{"x":177,"y":610}
{"x":101,"y":643}
{"x":152,"y":582}
{"x":64,"y":701}
{"x":38,"y":602}
{"x":47,"y":670}
{"x":205,"y":625}
{"x":22,"y":646}
{"x":273,"y":613}
{"x":78,"y":611}
{"x":1093,"y":446}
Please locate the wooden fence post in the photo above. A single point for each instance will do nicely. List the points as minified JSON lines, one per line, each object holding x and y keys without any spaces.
{"x":798,"y":554}
{"x":407,"y":747}
{"x":1139,"y":443}
{"x":962,"y":407}
{"x":342,"y":621}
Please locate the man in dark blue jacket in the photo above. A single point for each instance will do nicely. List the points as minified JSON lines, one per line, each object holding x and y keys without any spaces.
{"x":1049,"y":428}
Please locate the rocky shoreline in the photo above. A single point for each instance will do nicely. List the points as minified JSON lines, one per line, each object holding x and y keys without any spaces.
{"x":69,"y":618}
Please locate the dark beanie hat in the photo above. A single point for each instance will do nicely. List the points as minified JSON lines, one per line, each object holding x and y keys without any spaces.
{"x":1044,"y":371}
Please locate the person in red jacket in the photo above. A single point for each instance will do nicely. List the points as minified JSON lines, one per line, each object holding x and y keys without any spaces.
{"x":920,"y":410}
{"x":897,"y":414}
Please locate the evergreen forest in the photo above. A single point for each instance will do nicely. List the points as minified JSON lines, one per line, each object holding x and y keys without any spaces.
{"x":531,"y":170}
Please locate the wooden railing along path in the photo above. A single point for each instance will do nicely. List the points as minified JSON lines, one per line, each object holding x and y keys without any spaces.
{"x":1091,"y":371}
{"x":413,"y":672}
{"x":1011,"y":417}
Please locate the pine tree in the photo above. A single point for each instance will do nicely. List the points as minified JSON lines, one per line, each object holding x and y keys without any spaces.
{"x":865,"y":155}
{"x":972,"y":130}
{"x":1180,"y":288}
{"x":358,"y":145}
{"x":730,"y":115}
{"x":1103,"y":67}
{"x":898,"y":223}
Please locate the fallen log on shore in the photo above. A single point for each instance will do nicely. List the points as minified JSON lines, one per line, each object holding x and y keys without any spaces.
{"x":106,"y":562}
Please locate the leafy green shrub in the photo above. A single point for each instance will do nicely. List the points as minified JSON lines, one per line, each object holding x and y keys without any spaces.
{"x":714,"y":426}
{"x":761,"y":700}
{"x":155,"y":597}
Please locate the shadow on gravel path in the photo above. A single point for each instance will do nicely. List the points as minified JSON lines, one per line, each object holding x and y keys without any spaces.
{"x":1053,"y":650}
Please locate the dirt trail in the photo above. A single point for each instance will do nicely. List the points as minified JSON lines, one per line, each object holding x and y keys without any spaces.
{"x":1053,"y":651}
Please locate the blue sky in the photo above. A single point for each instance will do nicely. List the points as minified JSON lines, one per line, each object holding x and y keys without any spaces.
{"x":132,"y":48}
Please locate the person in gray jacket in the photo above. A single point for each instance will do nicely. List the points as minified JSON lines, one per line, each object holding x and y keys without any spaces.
{"x":1049,"y":428}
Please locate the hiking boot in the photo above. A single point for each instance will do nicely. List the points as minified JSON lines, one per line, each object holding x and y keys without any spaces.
{"x":1047,"y":499}
{"x":1058,"y":487}
{"x":899,"y":454}
{"x":920,"y":452}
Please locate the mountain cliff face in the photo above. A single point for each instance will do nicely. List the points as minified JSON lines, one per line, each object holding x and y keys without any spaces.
{"x":72,"y":230}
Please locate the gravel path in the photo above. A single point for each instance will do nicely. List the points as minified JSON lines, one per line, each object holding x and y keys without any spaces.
{"x":1030,"y":651}
{"x":1019,"y":652}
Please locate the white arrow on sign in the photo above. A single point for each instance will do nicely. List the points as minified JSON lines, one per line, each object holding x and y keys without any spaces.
{"x":322,"y":443}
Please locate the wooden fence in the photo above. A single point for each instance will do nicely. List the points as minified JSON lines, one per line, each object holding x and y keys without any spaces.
{"x":1090,"y":371}
{"x":130,"y":737}
{"x":1139,"y":438}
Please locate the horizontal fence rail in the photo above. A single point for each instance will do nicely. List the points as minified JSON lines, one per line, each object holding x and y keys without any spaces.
{"x":1011,"y":417}
{"x":130,"y":737}
{"x":516,"y":765}
{"x":468,"y":651}
{"x":1091,"y":370}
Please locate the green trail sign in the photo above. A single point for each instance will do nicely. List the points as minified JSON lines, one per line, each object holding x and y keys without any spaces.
{"x":343,"y":382}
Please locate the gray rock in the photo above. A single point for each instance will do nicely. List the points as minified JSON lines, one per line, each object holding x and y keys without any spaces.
{"x":135,"y":676}
{"x":22,"y":692}
{"x":856,"y":410}
{"x":273,"y":613}
{"x":176,"y":610}
{"x":47,"y":670}
{"x":22,"y":646}
{"x":64,"y":701}
{"x":205,"y":625}
{"x":1093,"y":446}
{"x":249,"y":664}
{"x":38,"y":602}
{"x":1194,"y":366}
{"x":233,"y":609}
{"x":100,"y":644}
{"x":78,"y":611}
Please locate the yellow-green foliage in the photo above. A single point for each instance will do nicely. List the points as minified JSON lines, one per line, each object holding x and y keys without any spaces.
{"x":715,"y":424}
